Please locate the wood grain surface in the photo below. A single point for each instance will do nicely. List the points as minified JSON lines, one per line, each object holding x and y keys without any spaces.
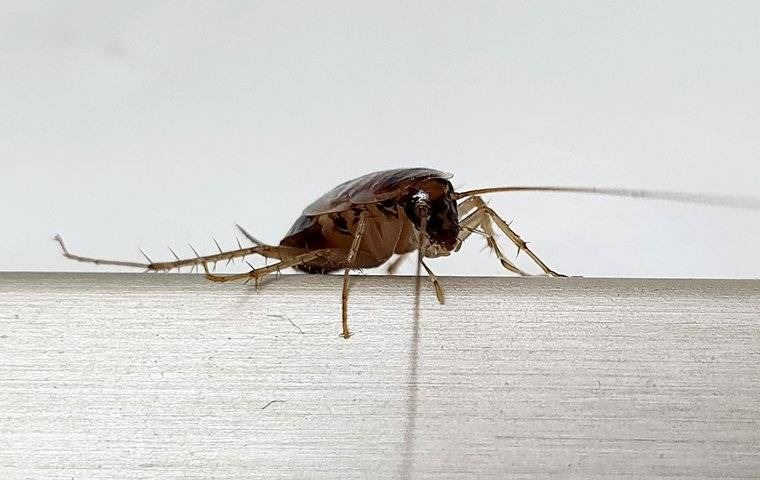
{"x":170,"y":377}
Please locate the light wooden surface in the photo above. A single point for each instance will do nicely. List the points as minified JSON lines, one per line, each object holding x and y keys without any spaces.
{"x":168,"y":377}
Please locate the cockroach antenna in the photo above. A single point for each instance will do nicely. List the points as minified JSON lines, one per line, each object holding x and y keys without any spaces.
{"x":731,"y":201}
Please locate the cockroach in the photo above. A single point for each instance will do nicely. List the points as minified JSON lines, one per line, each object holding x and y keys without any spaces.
{"x":363,"y":222}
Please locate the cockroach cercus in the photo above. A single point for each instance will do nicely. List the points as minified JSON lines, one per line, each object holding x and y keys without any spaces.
{"x":363,"y":222}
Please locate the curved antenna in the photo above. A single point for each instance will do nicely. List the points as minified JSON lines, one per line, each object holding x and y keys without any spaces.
{"x":748,"y":203}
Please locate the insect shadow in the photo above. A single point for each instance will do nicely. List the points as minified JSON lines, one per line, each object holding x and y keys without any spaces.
{"x":363,"y":222}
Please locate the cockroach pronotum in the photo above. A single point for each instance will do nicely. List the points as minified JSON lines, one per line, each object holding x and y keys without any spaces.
{"x":363,"y":222}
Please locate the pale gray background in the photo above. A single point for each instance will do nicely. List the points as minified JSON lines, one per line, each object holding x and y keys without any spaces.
{"x":137,"y":123}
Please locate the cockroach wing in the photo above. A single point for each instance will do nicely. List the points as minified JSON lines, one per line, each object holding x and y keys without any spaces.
{"x":370,"y":188}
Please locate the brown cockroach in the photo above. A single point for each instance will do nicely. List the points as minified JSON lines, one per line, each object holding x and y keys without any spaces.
{"x":363,"y":222}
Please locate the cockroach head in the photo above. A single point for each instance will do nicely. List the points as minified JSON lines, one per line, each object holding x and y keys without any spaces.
{"x":431,"y":203}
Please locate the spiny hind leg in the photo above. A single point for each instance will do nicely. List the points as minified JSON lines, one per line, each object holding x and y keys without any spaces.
{"x":514,"y":237}
{"x":337,"y":257}
{"x":258,"y":273}
{"x":96,"y":261}
{"x":268,"y":251}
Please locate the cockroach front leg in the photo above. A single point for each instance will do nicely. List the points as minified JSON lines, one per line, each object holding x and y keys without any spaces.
{"x":483,"y":216}
{"x":521,"y":245}
{"x":439,"y":294}
{"x":479,"y":219}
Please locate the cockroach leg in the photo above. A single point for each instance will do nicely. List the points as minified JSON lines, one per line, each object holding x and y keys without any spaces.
{"x":349,"y":263}
{"x":480,"y":218}
{"x":97,"y":261}
{"x":258,"y":273}
{"x":467,"y":227}
{"x":466,"y":207}
{"x":439,"y":293}
{"x":395,"y":264}
{"x":514,"y":237}
{"x":263,"y":250}
{"x":487,"y":227}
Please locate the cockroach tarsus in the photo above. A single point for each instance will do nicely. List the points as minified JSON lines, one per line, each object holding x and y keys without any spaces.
{"x":362,"y":223}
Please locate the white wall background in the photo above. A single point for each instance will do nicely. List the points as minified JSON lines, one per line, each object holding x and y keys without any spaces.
{"x":126,"y":124}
